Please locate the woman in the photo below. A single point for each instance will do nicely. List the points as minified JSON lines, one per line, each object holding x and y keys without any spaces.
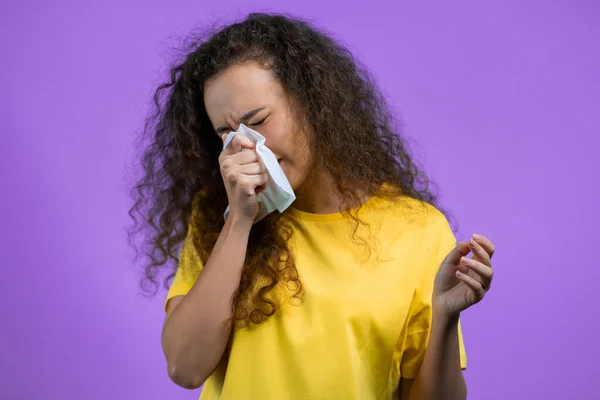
{"x":355,"y":291}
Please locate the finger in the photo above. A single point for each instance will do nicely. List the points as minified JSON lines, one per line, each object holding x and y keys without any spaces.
{"x":231,"y":161}
{"x":238,"y":143}
{"x":254,"y":168}
{"x":460,"y":250}
{"x":255,"y":181}
{"x":479,"y":253}
{"x":484,"y":274}
{"x":243,"y":157}
{"x":485,"y":243}
{"x":467,"y":271}
{"x":472,"y":284}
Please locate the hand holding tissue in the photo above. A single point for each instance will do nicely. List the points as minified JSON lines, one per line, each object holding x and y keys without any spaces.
{"x":278,"y":194}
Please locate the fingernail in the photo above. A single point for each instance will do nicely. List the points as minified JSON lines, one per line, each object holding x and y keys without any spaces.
{"x":476,"y":236}
{"x":463,"y":260}
{"x":459,"y":274}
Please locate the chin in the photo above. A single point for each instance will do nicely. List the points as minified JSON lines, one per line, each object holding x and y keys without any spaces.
{"x":293,"y":182}
{"x":290,"y":175}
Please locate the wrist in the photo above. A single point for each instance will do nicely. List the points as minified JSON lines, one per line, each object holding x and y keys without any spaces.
{"x":238,"y":224}
{"x":442,"y":317}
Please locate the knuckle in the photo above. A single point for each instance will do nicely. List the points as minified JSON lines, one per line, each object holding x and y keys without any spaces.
{"x":251,"y":156}
{"x":481,"y":288}
{"x":231,"y":175}
{"x":244,"y":182}
{"x":225,"y":163}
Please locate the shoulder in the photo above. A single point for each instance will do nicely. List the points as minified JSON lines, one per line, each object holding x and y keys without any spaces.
{"x":410,"y":212}
{"x":433,"y":227}
{"x":417,"y":231}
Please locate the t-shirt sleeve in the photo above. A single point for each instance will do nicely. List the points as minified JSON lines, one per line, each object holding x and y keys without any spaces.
{"x":420,"y":317}
{"x":189,"y":267}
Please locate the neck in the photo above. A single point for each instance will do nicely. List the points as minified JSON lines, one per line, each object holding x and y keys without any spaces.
{"x":319,"y":195}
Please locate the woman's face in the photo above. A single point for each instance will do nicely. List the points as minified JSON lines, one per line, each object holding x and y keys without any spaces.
{"x":248,"y":93}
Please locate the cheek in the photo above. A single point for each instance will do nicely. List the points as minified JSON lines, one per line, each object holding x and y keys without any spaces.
{"x":290,"y":145}
{"x":300,"y":163}
{"x":275,"y":136}
{"x":301,"y":148}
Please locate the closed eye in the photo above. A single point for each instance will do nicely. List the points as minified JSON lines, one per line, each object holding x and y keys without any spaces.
{"x":262,"y":121}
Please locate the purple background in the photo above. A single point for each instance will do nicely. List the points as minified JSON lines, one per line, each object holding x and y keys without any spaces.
{"x":503,"y":97}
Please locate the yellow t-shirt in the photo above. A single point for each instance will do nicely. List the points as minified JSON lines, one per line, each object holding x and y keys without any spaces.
{"x":363,"y":322}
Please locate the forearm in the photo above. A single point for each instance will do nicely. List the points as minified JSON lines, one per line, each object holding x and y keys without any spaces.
{"x":195,"y":335}
{"x":440,"y":376}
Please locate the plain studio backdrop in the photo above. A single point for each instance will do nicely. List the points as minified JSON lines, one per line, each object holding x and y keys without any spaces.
{"x":502,"y":96}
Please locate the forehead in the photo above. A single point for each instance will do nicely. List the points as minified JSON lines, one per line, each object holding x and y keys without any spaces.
{"x":241,"y":88}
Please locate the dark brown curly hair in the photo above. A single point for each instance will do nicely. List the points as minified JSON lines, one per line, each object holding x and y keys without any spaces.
{"x":352,"y":135}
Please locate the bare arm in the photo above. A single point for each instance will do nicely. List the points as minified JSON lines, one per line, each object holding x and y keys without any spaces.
{"x":440,"y":376}
{"x":197,"y":326}
{"x":403,"y":389}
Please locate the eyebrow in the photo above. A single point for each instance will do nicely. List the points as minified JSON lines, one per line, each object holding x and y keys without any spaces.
{"x":244,"y":118}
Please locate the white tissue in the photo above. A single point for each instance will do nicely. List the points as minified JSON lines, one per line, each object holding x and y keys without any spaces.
{"x":278,"y":194}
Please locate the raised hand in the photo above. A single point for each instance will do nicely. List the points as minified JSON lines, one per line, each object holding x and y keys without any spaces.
{"x":244,"y":176}
{"x":463,"y":281}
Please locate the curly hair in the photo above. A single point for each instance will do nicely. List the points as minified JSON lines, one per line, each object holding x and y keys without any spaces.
{"x":352,"y":135}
